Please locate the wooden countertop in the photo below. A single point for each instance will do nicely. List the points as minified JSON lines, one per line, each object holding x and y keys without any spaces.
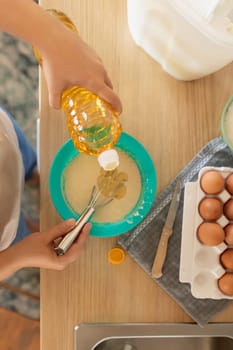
{"x":173,"y":120}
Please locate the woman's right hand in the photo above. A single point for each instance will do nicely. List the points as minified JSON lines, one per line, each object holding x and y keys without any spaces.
{"x":67,"y":59}
{"x":70,"y":61}
{"x":37,"y":250}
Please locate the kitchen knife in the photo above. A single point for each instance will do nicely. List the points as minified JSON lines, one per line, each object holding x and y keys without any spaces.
{"x":167,"y":231}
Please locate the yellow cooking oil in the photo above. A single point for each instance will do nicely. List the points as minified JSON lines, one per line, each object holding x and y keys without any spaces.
{"x":92,"y":123}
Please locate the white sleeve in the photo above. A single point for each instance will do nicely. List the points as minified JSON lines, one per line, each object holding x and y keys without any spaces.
{"x":11,"y":182}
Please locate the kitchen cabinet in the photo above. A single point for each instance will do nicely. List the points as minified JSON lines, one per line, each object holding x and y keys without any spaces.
{"x":173,"y":120}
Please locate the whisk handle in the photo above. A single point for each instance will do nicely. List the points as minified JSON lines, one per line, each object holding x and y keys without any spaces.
{"x":70,"y":237}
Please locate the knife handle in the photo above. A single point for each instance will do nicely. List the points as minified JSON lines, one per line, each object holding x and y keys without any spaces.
{"x":161,"y":253}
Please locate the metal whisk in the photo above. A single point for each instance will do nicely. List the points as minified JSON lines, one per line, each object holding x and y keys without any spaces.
{"x":96,"y":201}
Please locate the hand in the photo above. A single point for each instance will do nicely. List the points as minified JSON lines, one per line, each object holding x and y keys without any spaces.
{"x":37,"y":249}
{"x":69,"y":61}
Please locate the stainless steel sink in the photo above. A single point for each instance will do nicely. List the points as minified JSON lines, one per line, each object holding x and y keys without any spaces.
{"x":153,"y":336}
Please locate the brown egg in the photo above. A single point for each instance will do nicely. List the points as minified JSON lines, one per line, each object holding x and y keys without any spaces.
{"x":212,"y":182}
{"x":229,"y":234}
{"x":228,"y":209}
{"x":210,"y":233}
{"x":226,"y":259}
{"x":225,"y":283}
{"x":210,"y":208}
{"x":229,"y":183}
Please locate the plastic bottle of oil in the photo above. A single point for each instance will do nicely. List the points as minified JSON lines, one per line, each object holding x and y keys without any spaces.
{"x":93,"y":124}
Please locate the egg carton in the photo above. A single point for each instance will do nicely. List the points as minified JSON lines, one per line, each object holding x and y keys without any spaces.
{"x":199,"y":263}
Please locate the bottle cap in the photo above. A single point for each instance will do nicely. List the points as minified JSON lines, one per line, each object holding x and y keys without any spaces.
{"x":109,"y":160}
{"x":116,"y":256}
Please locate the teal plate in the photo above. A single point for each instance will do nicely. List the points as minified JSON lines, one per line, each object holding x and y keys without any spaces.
{"x":146,"y":168}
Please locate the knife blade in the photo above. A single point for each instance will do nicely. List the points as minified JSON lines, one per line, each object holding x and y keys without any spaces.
{"x":160,"y":255}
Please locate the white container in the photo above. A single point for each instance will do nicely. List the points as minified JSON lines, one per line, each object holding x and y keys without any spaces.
{"x":190,"y":39}
{"x":199,"y":263}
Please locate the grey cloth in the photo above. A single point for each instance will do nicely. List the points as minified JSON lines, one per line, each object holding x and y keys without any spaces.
{"x":141,"y":242}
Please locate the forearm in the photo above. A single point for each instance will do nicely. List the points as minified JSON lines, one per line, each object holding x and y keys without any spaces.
{"x":9,"y":262}
{"x":28,"y":21}
{"x":67,"y":59}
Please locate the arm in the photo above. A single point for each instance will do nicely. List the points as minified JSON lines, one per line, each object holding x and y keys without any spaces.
{"x":37,"y":250}
{"x":67,"y":59}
